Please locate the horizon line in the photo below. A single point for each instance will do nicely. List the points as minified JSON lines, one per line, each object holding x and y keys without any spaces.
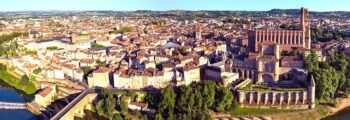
{"x":168,"y":10}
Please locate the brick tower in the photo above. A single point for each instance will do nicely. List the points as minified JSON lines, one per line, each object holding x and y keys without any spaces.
{"x":305,"y":26}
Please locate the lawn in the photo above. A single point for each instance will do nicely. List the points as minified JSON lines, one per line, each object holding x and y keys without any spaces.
{"x":257,"y":111}
{"x":8,"y":78}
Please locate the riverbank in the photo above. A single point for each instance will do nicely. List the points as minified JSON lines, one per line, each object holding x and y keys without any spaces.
{"x":341,"y":111}
{"x":8,"y":78}
{"x":323,"y":112}
{"x":276,"y":114}
{"x":344,"y":103}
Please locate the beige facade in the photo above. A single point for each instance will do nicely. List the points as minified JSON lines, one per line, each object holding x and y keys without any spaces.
{"x":46,"y":95}
{"x":100,"y":78}
{"x":191,"y":75}
{"x":139,"y":82}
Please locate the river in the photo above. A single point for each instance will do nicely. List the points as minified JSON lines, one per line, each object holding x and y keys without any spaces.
{"x":9,"y":94}
{"x":343,"y":114}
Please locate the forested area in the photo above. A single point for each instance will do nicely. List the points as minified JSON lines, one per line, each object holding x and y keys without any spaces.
{"x":11,"y":47}
{"x":191,"y":102}
{"x":331,"y":77}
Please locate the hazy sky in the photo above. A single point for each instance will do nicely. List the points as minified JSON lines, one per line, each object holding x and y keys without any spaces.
{"x":131,"y":5}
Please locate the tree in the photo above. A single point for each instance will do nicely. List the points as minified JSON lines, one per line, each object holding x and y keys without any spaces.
{"x":144,"y":117}
{"x":346,"y":85}
{"x":87,"y":70}
{"x":52,"y":48}
{"x":123,"y":106}
{"x":327,"y":81}
{"x":191,"y":102}
{"x":2,"y":67}
{"x":167,"y":102}
{"x":311,"y":62}
{"x":158,"y":117}
{"x":152,"y":99}
{"x":137,"y":114}
{"x":123,"y":30}
{"x":96,"y":46}
{"x":208,"y":93}
{"x":224,"y":99}
{"x":338,"y":61}
{"x":132,"y":94}
{"x":101,"y":63}
{"x":185,"y":100}
{"x":117,"y":117}
{"x":2,"y":25}
{"x":106,"y":106}
{"x":37,"y":70}
{"x":198,"y":99}
{"x":24,"y":80}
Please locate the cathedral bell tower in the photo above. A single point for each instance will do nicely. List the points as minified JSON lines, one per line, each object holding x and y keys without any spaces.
{"x":305,"y":26}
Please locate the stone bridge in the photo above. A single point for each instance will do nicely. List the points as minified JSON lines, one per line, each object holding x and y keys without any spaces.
{"x":77,"y":106}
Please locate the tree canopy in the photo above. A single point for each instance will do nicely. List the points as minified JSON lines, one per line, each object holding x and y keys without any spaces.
{"x":192,"y":102}
{"x":330,"y":76}
{"x":106,"y":106}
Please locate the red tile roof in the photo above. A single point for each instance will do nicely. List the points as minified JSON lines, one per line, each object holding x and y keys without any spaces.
{"x":46,"y":91}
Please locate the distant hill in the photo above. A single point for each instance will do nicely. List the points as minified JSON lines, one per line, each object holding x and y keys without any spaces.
{"x":284,"y":11}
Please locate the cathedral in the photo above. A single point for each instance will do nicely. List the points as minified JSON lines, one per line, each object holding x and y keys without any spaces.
{"x":273,"y":75}
{"x":264,"y":64}
{"x":287,"y":39}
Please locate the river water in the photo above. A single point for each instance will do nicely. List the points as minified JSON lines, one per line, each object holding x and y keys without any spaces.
{"x":343,"y":114}
{"x":9,"y":94}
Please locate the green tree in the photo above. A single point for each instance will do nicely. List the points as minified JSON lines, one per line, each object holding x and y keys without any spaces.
{"x":185,"y":100}
{"x":144,"y":117}
{"x":24,"y":80}
{"x":101,"y":63}
{"x":327,"y":81}
{"x":123,"y":106}
{"x":37,"y":70}
{"x":3,"y":67}
{"x":167,"y":102}
{"x":52,"y":48}
{"x":106,"y":106}
{"x":132,"y":94}
{"x":137,"y":114}
{"x":158,"y":117}
{"x":96,"y":46}
{"x":123,"y":30}
{"x":117,"y":117}
{"x":87,"y":70}
{"x":311,"y":62}
{"x":198,"y":99}
{"x":152,"y":99}
{"x":208,"y":93}
{"x":224,"y":98}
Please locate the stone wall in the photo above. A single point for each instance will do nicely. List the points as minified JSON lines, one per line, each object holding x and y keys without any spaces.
{"x":274,"y":99}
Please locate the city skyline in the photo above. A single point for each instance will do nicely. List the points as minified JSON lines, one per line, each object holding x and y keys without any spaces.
{"x":160,"y":5}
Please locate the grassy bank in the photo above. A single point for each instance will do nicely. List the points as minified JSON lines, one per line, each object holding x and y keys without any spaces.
{"x":277,"y":114}
{"x":316,"y":114}
{"x":256,"y":111}
{"x":11,"y":80}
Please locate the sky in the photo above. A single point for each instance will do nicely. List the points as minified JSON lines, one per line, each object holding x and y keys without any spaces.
{"x":163,"y":5}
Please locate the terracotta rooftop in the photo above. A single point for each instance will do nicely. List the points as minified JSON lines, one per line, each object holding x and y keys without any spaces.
{"x":46,"y":91}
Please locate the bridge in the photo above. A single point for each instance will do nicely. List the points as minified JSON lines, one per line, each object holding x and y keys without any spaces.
{"x":12,"y":105}
{"x":77,"y":105}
